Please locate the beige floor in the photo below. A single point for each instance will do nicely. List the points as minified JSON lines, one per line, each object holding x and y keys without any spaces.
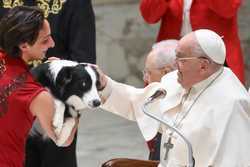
{"x":103,"y":136}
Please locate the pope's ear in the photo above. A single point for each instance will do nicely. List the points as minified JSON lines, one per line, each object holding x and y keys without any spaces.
{"x":167,"y":69}
{"x":204,"y":64}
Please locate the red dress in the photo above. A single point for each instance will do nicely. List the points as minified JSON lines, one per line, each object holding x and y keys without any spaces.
{"x":17,"y":89}
{"x":217,"y":15}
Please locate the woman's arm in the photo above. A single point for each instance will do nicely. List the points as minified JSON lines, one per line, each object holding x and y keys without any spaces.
{"x":42,"y":106}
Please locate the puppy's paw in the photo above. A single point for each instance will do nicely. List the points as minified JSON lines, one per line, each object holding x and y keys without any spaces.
{"x":76,"y":103}
{"x":65,"y":131}
{"x":58,"y":131}
{"x":57,"y":122}
{"x":59,"y":115}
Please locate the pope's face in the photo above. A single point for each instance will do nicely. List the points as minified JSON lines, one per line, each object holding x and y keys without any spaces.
{"x":188,"y":65}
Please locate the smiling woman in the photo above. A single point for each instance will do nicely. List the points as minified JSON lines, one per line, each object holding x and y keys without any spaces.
{"x":21,"y":97}
{"x":37,"y":50}
{"x":72,"y":24}
{"x":13,"y":34}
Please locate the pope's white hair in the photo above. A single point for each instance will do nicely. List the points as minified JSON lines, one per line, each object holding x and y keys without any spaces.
{"x":165,"y":53}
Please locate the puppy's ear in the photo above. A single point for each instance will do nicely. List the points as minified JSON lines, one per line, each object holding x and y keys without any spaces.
{"x":64,"y":76}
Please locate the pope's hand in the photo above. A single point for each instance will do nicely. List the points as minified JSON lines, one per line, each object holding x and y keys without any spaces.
{"x":102,"y":77}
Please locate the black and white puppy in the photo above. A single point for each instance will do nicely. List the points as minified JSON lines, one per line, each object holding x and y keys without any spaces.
{"x":74,"y":87}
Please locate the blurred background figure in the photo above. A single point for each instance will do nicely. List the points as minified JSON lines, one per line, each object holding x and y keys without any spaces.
{"x":160,"y":61}
{"x":179,"y":17}
{"x":72,"y":25}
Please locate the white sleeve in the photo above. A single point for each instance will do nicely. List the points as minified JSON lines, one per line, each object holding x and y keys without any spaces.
{"x":118,"y":99}
{"x":127,"y":101}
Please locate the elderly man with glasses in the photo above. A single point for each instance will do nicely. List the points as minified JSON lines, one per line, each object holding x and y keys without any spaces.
{"x":159,"y":62}
{"x":205,"y":101}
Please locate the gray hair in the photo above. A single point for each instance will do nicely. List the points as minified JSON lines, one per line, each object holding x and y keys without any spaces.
{"x":165,"y":53}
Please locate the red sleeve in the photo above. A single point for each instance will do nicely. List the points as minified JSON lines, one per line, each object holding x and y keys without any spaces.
{"x":224,"y":8}
{"x":29,"y":92}
{"x":23,"y":96}
{"x":32,"y":95}
{"x":153,"y":10}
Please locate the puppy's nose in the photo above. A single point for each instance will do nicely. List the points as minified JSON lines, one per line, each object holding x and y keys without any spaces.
{"x":96,"y":103}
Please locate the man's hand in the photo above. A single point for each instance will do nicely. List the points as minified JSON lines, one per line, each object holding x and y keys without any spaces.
{"x":102,"y":77}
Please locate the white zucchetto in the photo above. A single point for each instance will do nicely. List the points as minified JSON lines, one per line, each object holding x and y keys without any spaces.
{"x":212,"y":44}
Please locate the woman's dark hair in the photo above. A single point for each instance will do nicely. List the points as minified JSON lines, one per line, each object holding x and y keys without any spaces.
{"x":19,"y":25}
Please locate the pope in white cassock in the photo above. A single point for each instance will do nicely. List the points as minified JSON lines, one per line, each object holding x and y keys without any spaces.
{"x":205,"y":102}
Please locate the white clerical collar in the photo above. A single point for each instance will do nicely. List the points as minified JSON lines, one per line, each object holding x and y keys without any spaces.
{"x":203,"y":84}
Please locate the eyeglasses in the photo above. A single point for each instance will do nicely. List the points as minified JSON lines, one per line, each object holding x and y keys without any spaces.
{"x":148,"y":71}
{"x":182,"y":59}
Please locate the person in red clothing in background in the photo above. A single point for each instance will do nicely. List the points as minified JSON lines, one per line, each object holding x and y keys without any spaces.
{"x":179,"y":17}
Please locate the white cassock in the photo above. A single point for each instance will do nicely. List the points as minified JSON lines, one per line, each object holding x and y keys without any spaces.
{"x":214,"y":116}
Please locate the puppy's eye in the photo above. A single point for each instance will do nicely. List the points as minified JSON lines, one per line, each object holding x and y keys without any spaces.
{"x":83,"y":84}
